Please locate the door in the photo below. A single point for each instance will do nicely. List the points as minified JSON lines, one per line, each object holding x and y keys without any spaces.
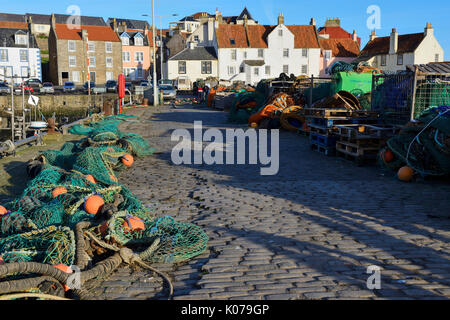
{"x":92,"y":76}
{"x":248,"y":74}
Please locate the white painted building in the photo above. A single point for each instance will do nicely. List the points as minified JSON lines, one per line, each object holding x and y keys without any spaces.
{"x":396,"y":52}
{"x":20,"y":57}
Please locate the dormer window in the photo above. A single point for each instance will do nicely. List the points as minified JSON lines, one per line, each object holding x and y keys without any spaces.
{"x":125,"y":39}
{"x":138,"y":40}
{"x":21,"y":39}
{"x":233,"y":42}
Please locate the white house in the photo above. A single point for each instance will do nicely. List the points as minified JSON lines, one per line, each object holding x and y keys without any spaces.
{"x":251,"y":53}
{"x":396,"y":52}
{"x":20,"y":57}
{"x":194,"y":63}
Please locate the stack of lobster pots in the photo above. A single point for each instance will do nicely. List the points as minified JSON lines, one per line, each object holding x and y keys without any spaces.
{"x":338,"y":127}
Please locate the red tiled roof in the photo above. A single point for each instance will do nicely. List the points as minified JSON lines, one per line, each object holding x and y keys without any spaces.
{"x":305,"y":36}
{"x":95,"y":33}
{"x":344,"y":48}
{"x":337,"y":33}
{"x":13,"y":25}
{"x":406,"y":43}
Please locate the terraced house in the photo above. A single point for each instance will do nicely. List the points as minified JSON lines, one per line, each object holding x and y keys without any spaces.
{"x":77,"y":52}
{"x":136,"y":47}
{"x":20,"y":57}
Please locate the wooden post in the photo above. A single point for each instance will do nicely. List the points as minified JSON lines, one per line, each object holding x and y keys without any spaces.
{"x":414,"y":91}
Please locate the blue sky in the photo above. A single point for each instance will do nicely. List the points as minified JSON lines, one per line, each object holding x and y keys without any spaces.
{"x":409,"y":16}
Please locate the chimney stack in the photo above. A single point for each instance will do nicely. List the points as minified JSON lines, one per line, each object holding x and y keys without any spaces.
{"x":429,"y":29}
{"x":53,"y":19}
{"x":355,"y":36}
{"x":313,"y":22}
{"x":373,"y":35}
{"x":280,"y":19}
{"x":393,"y":46}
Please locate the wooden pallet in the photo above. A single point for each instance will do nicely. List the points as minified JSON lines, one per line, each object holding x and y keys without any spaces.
{"x":325,"y":141}
{"x":339,"y":113}
{"x":366,"y":131}
{"x":320,"y":130}
{"x":328,"y":151}
{"x":356,"y":150}
{"x":329,"y":123}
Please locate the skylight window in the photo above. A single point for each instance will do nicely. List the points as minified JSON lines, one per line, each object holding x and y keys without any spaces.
{"x":232,"y":41}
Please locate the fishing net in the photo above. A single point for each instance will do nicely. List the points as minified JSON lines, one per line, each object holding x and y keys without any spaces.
{"x":40,"y":224}
{"x":424,"y":145}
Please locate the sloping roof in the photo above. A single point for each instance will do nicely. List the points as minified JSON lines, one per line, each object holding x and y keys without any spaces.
{"x":337,"y":33}
{"x":131,"y":24}
{"x":305,"y":36}
{"x":434,"y":67}
{"x":198,"y":15}
{"x":95,"y":33}
{"x":344,"y":48}
{"x":245,"y":12}
{"x":40,"y":18}
{"x":7,"y":39}
{"x":85,"y":21}
{"x":406,"y":43}
{"x":13,"y":25}
{"x":197,"y":53}
{"x":9,"y":17}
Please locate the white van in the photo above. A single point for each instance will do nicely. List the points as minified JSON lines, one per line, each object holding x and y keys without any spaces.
{"x":184,"y":84}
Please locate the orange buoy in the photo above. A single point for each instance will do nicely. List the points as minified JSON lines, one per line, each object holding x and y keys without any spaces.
{"x":94,"y":204}
{"x":113,"y":177}
{"x":133,"y":224}
{"x":127,"y":160}
{"x":361,"y":129}
{"x":91,"y":179}
{"x":405,"y":174}
{"x":254,"y":125}
{"x":65,"y":269}
{"x":2,"y":262}
{"x":388,"y":156}
{"x":3,"y":211}
{"x":59,"y":191}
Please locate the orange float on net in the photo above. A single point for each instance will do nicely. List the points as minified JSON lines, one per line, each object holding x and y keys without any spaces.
{"x":405,"y":174}
{"x":3,"y":211}
{"x":66,"y":269}
{"x":133,"y":224}
{"x":91,"y":179}
{"x":94,"y":204}
{"x":58,"y":191}
{"x":2,"y":262}
{"x":127,"y":160}
{"x":388,"y":156}
{"x":254,"y":125}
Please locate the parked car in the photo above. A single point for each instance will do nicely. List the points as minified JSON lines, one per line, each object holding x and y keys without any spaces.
{"x":169,"y":92}
{"x":69,"y":87}
{"x":144,"y":83}
{"x":36,"y":84}
{"x":111,"y":86}
{"x":4,"y":89}
{"x":184,"y":84}
{"x":167,"y":82}
{"x":87,"y":85}
{"x":48,"y":88}
{"x":26,"y":87}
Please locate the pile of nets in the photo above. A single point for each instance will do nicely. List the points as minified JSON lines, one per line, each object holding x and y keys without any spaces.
{"x":41,"y":225}
{"x":424,"y":145}
{"x":360,"y":67}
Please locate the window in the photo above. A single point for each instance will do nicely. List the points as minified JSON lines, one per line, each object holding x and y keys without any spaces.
{"x":125,"y":41}
{"x":76,"y":76}
{"x":92,"y":61}
{"x":4,"y":55}
{"x":126,"y":56}
{"x":260,"y":53}
{"x":23,"y":55}
{"x":400,"y":59}
{"x":231,"y":71}
{"x":267,"y":70}
{"x":24,"y":71}
{"x":109,"y":76}
{"x":234,"y":55}
{"x":241,"y":69}
{"x":305,"y":69}
{"x":72,"y":46}
{"x":305,"y":53}
{"x":286,"y":69}
{"x":92,"y":76}
{"x":232,"y":42}
{"x":65,"y":75}
{"x":139,"y":56}
{"x":72,"y":61}
{"x":196,"y":38}
{"x":206,"y":67}
{"x":91,"y":47}
{"x":109,"y":62}
{"x":245,"y":54}
{"x":286,"y":53}
{"x":108,"y":47}
{"x":21,"y":39}
{"x":436,"y":58}
{"x":256,"y":71}
{"x":383,"y":60}
{"x":140,"y":72}
{"x":327,"y":54}
{"x":280,"y":32}
{"x":138,"y":41}
{"x":182,"y":67}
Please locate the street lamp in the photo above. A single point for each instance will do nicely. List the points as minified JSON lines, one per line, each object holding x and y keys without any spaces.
{"x":155,"y":97}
